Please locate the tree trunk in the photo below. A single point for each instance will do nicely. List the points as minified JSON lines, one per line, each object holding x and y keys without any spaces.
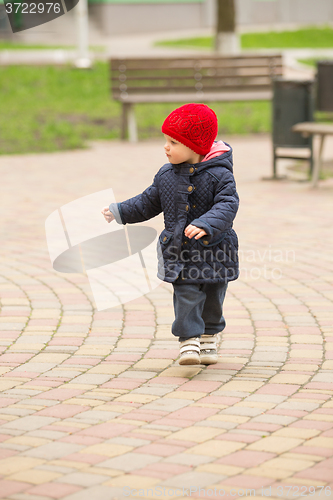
{"x":226,"y":40}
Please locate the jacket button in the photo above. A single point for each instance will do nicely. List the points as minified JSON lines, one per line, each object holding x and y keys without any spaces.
{"x":205,"y":242}
{"x":164,"y":239}
{"x":189,"y":188}
{"x":186,"y":208}
{"x":191,"y":170}
{"x":185,"y":242}
{"x":194,"y":206}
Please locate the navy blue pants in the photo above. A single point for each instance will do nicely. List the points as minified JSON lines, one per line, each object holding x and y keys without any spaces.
{"x":198,"y":309}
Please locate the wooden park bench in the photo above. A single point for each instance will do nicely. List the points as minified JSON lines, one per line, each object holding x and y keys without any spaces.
{"x":206,"y":78}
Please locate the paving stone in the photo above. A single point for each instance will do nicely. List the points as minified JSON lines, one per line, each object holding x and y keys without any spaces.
{"x":253,"y":421}
{"x":29,"y":423}
{"x":274,"y":419}
{"x":188,"y":459}
{"x":129,"y":461}
{"x":236,"y":410}
{"x":193,"y":480}
{"x":275,"y":444}
{"x":58,"y":490}
{"x":51,"y":451}
{"x":168,"y":404}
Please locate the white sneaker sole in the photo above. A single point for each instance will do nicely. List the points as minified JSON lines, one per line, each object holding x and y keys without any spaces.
{"x":208,"y":359}
{"x":189,"y":359}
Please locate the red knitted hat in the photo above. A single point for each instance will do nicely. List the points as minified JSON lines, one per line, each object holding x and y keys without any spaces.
{"x":194,"y":125}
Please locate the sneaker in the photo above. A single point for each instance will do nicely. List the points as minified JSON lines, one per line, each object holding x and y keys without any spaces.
{"x":208,"y":349}
{"x":190,"y":351}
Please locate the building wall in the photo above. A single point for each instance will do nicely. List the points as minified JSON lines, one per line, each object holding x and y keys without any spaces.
{"x":116,"y":17}
{"x":121,"y":18}
{"x":284,"y":11}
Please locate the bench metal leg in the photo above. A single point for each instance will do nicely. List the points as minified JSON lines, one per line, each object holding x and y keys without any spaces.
{"x":128,"y":123}
{"x":318,"y":162}
{"x":124,"y":115}
{"x":274,"y":163}
{"x":132,"y":127}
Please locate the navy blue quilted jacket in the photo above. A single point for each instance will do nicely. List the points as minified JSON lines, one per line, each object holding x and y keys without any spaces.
{"x":203,"y":194}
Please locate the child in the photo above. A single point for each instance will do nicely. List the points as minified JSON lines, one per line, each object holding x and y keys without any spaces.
{"x":198,"y":249}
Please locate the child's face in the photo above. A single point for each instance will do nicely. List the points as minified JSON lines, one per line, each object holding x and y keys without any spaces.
{"x":178,"y":153}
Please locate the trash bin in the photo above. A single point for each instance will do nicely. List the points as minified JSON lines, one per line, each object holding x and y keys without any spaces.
{"x":325,"y":85}
{"x":293,"y":102}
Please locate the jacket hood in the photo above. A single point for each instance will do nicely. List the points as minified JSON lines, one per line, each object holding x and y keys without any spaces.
{"x":218,"y":147}
{"x":219,"y":155}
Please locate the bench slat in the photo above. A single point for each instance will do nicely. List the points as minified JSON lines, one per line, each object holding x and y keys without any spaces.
{"x":205,"y":88}
{"x":242,"y":72}
{"x":202,"y":58}
{"x":264,"y":95}
{"x":206,"y":78}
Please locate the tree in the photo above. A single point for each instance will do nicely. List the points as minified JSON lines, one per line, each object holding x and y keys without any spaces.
{"x":226,"y":39}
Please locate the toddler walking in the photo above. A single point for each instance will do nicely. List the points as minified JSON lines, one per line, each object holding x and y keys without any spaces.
{"x":198,"y":249}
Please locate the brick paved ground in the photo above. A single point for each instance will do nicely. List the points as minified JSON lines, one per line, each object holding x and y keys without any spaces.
{"x":93,"y":402}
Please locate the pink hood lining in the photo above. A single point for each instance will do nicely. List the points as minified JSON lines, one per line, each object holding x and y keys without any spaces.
{"x":217,"y":149}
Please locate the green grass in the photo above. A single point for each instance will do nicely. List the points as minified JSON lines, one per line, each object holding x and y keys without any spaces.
{"x":205,"y":42}
{"x":309,"y":37}
{"x":313,"y":61}
{"x":7,"y":45}
{"x":56,"y":108}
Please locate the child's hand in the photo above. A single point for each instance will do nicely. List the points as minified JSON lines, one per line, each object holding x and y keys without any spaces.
{"x":109,"y":217}
{"x":191,"y":231}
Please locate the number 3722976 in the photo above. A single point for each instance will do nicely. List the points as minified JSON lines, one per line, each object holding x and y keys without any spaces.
{"x":32,"y":8}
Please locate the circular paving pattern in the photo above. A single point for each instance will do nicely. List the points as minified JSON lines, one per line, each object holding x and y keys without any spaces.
{"x":94,"y":404}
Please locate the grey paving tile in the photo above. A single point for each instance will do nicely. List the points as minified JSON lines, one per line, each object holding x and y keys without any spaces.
{"x":193,"y":480}
{"x":98,"y":493}
{"x":241,"y":410}
{"x":155,"y":390}
{"x":98,"y":416}
{"x":137,"y":374}
{"x":54,"y":450}
{"x":128,"y":441}
{"x":129,"y":461}
{"x":266,"y":398}
{"x":29,"y":423}
{"x":295,"y":405}
{"x":20,"y":412}
{"x":189,"y":459}
{"x":217,"y":423}
{"x":274,"y":419}
{"x":168,"y":404}
{"x":35,"y":367}
{"x":269,"y":356}
{"x":91,"y":378}
{"x":39,"y":402}
{"x":56,"y":468}
{"x":83,"y":479}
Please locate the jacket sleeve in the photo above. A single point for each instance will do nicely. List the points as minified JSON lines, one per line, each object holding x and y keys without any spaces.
{"x":142,"y":207}
{"x":220,"y":217}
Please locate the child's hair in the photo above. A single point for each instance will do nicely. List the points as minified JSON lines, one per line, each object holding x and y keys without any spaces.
{"x":194,"y":125}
